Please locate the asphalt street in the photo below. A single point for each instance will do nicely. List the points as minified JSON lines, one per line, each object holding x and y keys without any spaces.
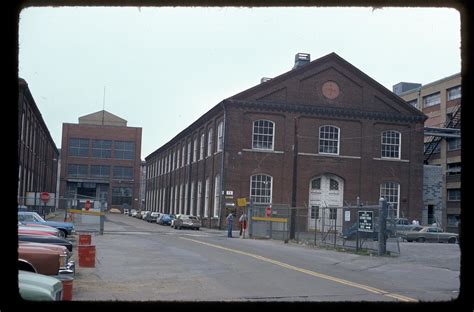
{"x":141,"y":261}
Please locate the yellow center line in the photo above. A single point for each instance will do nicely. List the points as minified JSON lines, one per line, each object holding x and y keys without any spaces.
{"x":312,"y":273}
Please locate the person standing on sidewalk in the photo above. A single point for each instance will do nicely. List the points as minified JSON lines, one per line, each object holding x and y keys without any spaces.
{"x":243,"y":224}
{"x":230,"y":220}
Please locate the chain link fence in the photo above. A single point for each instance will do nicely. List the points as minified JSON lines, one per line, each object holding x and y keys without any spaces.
{"x":335,"y":227}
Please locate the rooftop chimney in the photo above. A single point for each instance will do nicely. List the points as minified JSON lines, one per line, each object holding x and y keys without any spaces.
{"x":301,"y":59}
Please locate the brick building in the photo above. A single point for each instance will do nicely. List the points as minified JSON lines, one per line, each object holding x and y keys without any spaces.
{"x":100,"y":160}
{"x":441,"y":102}
{"x":320,"y":135}
{"x":37,"y":153}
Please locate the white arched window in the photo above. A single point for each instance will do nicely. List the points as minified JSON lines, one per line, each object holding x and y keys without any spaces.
{"x":261,"y":189}
{"x":263,"y":134}
{"x":329,"y":140}
{"x":391,"y":144}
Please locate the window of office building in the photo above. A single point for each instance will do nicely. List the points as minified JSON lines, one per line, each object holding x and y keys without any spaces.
{"x":391,"y":192}
{"x":453,"y":168}
{"x":121,"y":195}
{"x":102,"y":148}
{"x":124,"y":150}
{"x":209,"y":142}
{"x":220,"y":136}
{"x":454,"y":144}
{"x":454,"y":194}
{"x":261,"y":189}
{"x":101,"y":171}
{"x":454,"y":93}
{"x":432,"y":99}
{"x":77,"y":170}
{"x":121,"y":172}
{"x":79,"y":147}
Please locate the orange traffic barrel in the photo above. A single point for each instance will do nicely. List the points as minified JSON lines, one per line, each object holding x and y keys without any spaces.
{"x":86,"y":256}
{"x":85,"y":239}
{"x":67,"y":286}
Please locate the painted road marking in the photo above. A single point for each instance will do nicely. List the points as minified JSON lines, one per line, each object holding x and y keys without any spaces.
{"x":312,"y":273}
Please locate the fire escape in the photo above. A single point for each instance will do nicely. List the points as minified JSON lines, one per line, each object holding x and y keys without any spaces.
{"x":451,"y":129}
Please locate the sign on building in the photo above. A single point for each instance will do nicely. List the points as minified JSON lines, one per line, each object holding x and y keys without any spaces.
{"x":366,"y":219}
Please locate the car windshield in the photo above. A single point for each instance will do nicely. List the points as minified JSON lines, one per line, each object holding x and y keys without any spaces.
{"x":38,"y":218}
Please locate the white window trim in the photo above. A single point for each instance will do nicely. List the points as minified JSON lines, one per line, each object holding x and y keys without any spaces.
{"x":273,"y":136}
{"x":271,"y":188}
{"x":338,"y":140}
{"x":399,"y":145}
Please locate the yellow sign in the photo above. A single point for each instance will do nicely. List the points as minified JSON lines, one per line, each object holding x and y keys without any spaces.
{"x":241,"y":202}
{"x":284,"y":220}
{"x":94,"y":213}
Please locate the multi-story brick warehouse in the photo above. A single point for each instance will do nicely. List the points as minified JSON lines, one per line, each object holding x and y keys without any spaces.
{"x":321,"y":134}
{"x":37,"y":153}
{"x":100,"y":160}
{"x":441,"y":102}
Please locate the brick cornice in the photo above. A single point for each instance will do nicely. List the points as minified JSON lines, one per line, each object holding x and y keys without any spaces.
{"x":325,"y":111}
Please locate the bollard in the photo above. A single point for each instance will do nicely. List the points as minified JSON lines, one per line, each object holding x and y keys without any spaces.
{"x":86,"y":256}
{"x":85,"y":239}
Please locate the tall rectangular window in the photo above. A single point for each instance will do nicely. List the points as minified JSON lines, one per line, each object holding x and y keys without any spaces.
{"x":454,"y":194}
{"x":185,"y":205}
{"x":195,"y":148}
{"x":121,"y":195}
{"x":391,"y":144}
{"x":79,"y":147}
{"x":209,"y":142}
{"x":206,"y":198}
{"x":189,"y":153}
{"x":102,"y":148}
{"x":181,"y":198}
{"x":220,"y":136}
{"x":124,"y":150}
{"x":261,"y":189}
{"x":183,"y":159}
{"x":329,"y":140}
{"x":192,"y":203}
{"x":391,"y":192}
{"x":199,"y":198}
{"x":176,"y":199}
{"x":201,"y":151}
{"x":262,"y":136}
{"x":217,"y":195}
{"x":454,"y":144}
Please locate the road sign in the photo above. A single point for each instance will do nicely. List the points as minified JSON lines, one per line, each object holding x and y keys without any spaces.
{"x":87,"y":205}
{"x":366,"y":223}
{"x":44,"y":197}
{"x":241,"y":202}
{"x":268,"y":211}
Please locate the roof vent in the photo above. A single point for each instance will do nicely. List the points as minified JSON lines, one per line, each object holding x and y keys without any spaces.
{"x":301,"y":59}
{"x":265,"y":79}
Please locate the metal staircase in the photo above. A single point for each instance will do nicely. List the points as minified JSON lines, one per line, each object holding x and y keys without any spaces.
{"x":451,"y":129}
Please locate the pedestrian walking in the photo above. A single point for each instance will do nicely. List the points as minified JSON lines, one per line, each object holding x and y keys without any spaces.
{"x":230,"y":221}
{"x":243,"y":224}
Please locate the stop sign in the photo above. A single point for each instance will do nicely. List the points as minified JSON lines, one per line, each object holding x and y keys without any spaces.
{"x":87,"y":205}
{"x":44,"y":196}
{"x":267,"y":211}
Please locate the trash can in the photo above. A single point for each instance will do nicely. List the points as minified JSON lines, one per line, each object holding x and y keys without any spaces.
{"x":86,"y":256}
{"x":67,"y":286}
{"x":85,"y":239}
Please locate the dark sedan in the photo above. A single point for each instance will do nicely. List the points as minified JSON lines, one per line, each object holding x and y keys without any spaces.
{"x":46,"y":239}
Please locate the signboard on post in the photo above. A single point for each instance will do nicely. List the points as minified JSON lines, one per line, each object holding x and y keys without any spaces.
{"x":44,"y":196}
{"x":366,"y":221}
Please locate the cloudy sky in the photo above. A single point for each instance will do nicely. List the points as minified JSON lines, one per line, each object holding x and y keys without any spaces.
{"x":162,"y":68}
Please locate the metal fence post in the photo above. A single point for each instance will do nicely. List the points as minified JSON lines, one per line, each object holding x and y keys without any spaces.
{"x":382,"y":246}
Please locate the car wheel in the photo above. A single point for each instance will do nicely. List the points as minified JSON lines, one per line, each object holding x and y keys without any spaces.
{"x":452,"y":240}
{"x":420,"y":239}
{"x":63,"y":233}
{"x":409,"y":240}
{"x":197,"y":229}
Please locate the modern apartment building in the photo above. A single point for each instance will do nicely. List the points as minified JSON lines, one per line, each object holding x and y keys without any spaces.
{"x":321,"y":135}
{"x":100,"y":160}
{"x":441,"y":102}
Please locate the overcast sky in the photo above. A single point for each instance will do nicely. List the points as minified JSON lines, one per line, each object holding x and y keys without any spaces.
{"x":163,"y":68}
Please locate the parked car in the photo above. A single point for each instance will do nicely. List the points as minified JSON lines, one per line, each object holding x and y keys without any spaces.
{"x":143,"y":213}
{"x":67,"y":267}
{"x":165,"y":219}
{"x":28,"y":217}
{"x":125,"y":211}
{"x":39,"y":287}
{"x":48,"y":239}
{"x":173,"y":220}
{"x":114,"y":210}
{"x":430,"y":234}
{"x":187,"y":221}
{"x":41,"y":228}
{"x":45,"y":259}
{"x":133,"y":213}
{"x":152,"y":216}
{"x":146,"y":215}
